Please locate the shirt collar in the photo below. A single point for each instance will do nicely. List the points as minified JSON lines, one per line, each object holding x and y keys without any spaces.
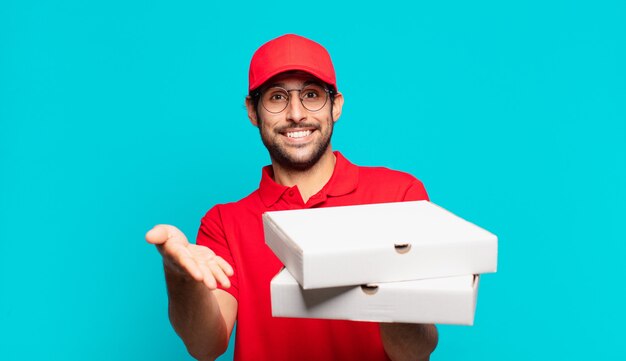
{"x":344,"y":180}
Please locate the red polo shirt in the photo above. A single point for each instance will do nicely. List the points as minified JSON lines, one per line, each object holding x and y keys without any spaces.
{"x":234,"y":231}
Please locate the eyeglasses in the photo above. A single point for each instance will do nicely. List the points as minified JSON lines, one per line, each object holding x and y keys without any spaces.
{"x":313,"y":97}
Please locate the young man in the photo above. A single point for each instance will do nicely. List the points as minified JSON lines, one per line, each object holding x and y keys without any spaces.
{"x":225,"y":277}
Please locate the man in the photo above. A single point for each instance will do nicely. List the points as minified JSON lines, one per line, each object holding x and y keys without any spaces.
{"x":225,"y":277}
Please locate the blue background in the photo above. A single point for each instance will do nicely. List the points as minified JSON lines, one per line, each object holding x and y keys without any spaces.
{"x":115,"y":116}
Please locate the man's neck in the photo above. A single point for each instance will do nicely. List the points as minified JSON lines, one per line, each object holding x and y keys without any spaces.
{"x":309,"y":181}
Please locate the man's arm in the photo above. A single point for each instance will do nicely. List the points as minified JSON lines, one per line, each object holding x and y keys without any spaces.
{"x":202,"y":315}
{"x":404,"y":342}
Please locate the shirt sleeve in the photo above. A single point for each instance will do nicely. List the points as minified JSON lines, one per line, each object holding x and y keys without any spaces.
{"x":211,"y":234}
{"x":416,"y":192}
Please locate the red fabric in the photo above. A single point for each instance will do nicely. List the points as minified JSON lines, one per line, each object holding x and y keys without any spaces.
{"x":290,"y":52}
{"x":235,"y":232}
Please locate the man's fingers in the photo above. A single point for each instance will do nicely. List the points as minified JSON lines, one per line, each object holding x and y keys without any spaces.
{"x":189,"y":265}
{"x":219,"y":275}
{"x":198,"y":262}
{"x":209,"y":280}
{"x":227,"y":268}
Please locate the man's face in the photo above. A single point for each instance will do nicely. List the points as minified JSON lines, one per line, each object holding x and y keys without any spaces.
{"x":296,"y":138}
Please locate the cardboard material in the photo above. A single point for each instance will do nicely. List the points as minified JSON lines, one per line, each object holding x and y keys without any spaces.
{"x":389,"y":242}
{"x":439,"y":300}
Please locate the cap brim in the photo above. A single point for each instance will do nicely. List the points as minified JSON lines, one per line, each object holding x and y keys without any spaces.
{"x":287,"y":68}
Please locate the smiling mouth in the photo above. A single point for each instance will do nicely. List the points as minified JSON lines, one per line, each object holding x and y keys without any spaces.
{"x":298,"y":134}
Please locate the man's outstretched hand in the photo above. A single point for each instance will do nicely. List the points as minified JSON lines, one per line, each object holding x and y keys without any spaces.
{"x":189,"y":260}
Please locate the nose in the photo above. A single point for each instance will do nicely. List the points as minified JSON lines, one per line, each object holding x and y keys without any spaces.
{"x":295,"y":110}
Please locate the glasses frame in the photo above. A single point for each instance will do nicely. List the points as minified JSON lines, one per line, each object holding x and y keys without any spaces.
{"x":327,"y":91}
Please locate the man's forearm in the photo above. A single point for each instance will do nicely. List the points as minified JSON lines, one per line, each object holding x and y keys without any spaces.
{"x":195,"y":315}
{"x":414,"y":342}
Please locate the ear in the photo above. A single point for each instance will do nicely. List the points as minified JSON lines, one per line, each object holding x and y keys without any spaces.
{"x":337,"y":106}
{"x":251,"y":111}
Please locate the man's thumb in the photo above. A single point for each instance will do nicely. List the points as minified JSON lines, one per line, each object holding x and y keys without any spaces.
{"x":158,"y":235}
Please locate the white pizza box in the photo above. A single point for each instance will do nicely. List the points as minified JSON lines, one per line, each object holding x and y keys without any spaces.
{"x":387,"y":242}
{"x":450,"y":300}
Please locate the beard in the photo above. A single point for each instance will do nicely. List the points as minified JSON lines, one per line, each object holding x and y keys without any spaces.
{"x":281,"y":155}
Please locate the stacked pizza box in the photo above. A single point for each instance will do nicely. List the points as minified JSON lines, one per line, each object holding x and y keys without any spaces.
{"x":412,"y":262}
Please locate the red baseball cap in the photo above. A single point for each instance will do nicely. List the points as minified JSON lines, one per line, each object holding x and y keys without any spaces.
{"x":290,"y":52}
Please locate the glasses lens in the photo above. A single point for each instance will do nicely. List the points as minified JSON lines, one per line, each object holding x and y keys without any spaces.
{"x":313,"y":97}
{"x":275,"y":99}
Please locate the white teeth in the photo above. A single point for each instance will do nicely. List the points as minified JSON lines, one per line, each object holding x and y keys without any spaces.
{"x":300,"y":134}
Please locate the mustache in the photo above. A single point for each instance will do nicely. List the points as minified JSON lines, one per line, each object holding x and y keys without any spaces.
{"x":297,"y":126}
